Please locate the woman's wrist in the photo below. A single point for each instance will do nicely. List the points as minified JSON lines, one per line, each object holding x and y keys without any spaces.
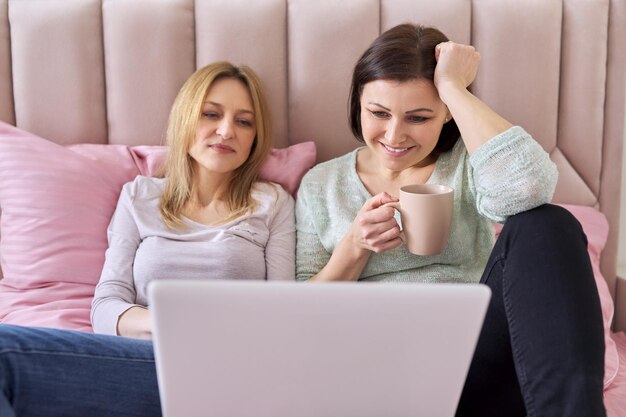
{"x":346,"y":263}
{"x":449,"y":90}
{"x":352,"y":250}
{"x":353,"y":257}
{"x":135,"y":323}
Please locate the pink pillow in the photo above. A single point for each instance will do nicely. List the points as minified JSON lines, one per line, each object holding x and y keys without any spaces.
{"x":615,"y":394}
{"x":283,"y":166}
{"x":299,"y":158}
{"x":56,"y":203}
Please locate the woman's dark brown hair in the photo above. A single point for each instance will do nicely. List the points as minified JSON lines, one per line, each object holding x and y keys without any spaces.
{"x":405,"y":52}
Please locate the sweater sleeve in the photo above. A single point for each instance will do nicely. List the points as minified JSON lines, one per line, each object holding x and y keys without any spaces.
{"x":280,"y":249}
{"x":116,"y":293}
{"x":512,"y":173}
{"x":311,"y":256}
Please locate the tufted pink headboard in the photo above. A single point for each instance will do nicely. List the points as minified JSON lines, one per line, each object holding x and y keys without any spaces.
{"x":106,"y":71}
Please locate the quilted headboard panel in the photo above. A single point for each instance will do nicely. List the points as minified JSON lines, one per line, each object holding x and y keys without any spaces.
{"x":106,"y":71}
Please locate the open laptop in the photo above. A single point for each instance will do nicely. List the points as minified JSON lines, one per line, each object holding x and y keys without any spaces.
{"x":286,"y":349}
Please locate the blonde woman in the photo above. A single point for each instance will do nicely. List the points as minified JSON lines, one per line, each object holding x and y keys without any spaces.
{"x":207,"y":218}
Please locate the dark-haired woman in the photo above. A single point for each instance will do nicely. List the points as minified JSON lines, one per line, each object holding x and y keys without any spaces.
{"x":541,"y":349}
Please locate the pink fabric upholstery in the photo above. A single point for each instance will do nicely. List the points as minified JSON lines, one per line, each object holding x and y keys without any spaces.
{"x":6,"y":105}
{"x":56,"y":204}
{"x":128,"y":30}
{"x":73,"y":109}
{"x":287,"y":166}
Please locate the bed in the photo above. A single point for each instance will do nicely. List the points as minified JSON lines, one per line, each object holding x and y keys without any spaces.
{"x":86,"y":86}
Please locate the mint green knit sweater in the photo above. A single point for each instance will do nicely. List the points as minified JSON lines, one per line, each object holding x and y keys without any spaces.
{"x":509,"y":174}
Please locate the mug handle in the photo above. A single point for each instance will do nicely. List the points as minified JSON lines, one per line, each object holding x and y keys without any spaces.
{"x":396,"y":205}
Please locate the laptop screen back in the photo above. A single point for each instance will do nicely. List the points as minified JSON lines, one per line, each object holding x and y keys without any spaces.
{"x":285,"y":349}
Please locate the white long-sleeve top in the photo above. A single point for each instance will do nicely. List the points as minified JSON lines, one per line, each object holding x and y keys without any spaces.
{"x":260,"y":245}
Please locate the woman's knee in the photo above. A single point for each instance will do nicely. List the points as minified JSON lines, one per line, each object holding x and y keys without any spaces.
{"x":549,"y":221}
{"x":547,"y":216}
{"x":546,"y":243}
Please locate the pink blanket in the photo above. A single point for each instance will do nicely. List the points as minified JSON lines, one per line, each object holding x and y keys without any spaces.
{"x":615,"y":393}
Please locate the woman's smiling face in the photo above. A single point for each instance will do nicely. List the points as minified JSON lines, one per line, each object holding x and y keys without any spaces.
{"x":401,"y":121}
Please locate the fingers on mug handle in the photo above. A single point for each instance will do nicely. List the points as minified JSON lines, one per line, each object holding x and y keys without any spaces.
{"x":383,"y":198}
{"x":393,"y":204}
{"x":374,"y":202}
{"x":396,"y":205}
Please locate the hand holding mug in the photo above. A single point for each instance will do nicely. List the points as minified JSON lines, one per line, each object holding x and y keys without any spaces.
{"x":375,"y":228}
{"x":426,"y":212}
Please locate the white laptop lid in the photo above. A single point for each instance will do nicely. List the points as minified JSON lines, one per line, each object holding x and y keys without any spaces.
{"x":286,"y":349}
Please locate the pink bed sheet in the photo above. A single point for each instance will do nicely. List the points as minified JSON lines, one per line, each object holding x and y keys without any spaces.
{"x":615,"y":393}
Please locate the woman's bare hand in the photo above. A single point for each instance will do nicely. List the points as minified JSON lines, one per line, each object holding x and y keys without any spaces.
{"x":457,"y":65}
{"x":135,"y":322}
{"x":374,"y":227}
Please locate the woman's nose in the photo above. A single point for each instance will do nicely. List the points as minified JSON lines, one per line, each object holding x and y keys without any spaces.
{"x":226,"y":128}
{"x":394,"y":133}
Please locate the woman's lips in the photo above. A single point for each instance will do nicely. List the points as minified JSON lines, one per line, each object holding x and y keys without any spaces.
{"x":395,"y":151}
{"x":220,"y":148}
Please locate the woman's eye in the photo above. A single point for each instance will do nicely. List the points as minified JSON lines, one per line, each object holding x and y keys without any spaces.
{"x":417,"y":119}
{"x":244,"y":122}
{"x":211,"y":115}
{"x":379,"y":114}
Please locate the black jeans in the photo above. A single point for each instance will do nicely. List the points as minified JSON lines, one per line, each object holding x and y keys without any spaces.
{"x":541,"y":348}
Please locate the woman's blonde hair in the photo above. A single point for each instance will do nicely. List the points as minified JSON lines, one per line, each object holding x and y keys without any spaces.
{"x":181,"y":133}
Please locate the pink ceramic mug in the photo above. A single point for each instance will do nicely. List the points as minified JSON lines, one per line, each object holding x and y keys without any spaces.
{"x":426,"y":212}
